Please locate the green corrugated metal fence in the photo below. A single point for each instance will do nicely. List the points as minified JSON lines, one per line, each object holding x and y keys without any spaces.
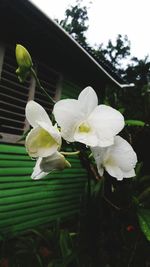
{"x":25,"y":203}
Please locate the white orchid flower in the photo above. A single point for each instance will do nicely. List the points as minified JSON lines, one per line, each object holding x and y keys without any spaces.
{"x":118,"y":160}
{"x":44,"y":139}
{"x":85,"y":121}
{"x":48,"y":164}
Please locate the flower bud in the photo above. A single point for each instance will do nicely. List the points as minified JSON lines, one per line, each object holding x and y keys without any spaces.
{"x":24,"y":62}
{"x":23,"y":57}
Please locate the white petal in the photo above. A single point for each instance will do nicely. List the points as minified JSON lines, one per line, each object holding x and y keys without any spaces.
{"x":123,"y":154}
{"x":129,"y":174}
{"x":107,"y":122}
{"x":114,"y":171}
{"x":87,"y":138}
{"x":35,"y":112}
{"x":68,"y":115}
{"x":99,"y":154}
{"x":119,"y":159}
{"x":102,"y":158}
{"x":52,"y":130}
{"x":54,"y":162}
{"x":88,"y":100}
{"x":48,"y":164}
{"x":40,"y":143}
{"x":100,"y":170}
{"x":38,"y":173}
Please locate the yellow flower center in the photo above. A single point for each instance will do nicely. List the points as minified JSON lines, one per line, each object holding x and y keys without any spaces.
{"x":110,"y":161}
{"x":45,"y":139}
{"x":42,"y":139}
{"x":84,"y":128}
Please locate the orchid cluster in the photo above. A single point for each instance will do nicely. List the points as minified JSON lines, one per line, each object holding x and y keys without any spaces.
{"x":84,"y":121}
{"x":77,"y":120}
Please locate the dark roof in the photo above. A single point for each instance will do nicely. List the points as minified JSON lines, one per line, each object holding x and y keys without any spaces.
{"x":24,"y":23}
{"x":107,"y":66}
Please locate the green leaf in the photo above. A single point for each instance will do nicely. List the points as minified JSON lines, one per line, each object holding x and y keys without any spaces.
{"x":51,"y":264}
{"x":98,"y":187}
{"x":138,"y":169}
{"x":56,"y":263}
{"x":144,"y":222}
{"x":121,"y":110}
{"x":73,"y":235}
{"x":65,"y":242}
{"x":135,"y":123}
{"x":70,"y":259}
{"x":144,"y":179}
{"x":38,"y":234}
{"x":39,"y":260}
{"x":144,"y":195}
{"x":135,"y":201}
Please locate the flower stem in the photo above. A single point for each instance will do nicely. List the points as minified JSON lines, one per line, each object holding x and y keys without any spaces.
{"x":69,"y":153}
{"x":40,"y":86}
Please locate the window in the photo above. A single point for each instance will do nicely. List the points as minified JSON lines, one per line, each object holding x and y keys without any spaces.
{"x":15,"y":95}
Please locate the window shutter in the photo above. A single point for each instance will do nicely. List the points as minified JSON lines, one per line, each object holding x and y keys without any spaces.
{"x":14,"y":96}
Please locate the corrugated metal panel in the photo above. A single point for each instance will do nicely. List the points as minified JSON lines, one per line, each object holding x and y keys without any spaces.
{"x":25,"y":203}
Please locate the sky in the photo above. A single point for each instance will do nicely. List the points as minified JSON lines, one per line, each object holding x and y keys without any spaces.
{"x":108,"y":18}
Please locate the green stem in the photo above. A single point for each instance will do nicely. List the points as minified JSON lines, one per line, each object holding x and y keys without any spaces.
{"x":110,"y":203}
{"x":106,"y":199}
{"x":40,"y":86}
{"x":133,"y":251}
{"x":69,"y":153}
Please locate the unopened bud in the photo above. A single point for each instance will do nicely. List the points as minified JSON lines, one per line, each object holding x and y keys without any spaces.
{"x":23,"y":57}
{"x":24,"y":62}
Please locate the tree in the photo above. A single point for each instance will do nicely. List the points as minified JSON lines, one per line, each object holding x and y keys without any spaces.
{"x":113,"y":54}
{"x":139,"y":71}
{"x":75,"y":22}
{"x":116,"y":53}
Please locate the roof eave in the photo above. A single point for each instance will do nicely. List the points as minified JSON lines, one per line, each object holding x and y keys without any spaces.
{"x":83,"y":50}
